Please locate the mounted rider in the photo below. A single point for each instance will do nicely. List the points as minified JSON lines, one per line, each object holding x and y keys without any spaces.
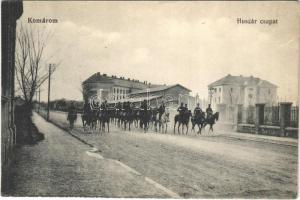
{"x":104,"y":106}
{"x":72,"y":115}
{"x":119,"y":106}
{"x":161,"y":110}
{"x":127,"y":106}
{"x":209,"y":112}
{"x":144,"y":105}
{"x":181,"y":109}
{"x":198,"y":111}
{"x":86,"y":108}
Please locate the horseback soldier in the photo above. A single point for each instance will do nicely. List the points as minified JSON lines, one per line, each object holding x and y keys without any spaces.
{"x":209,"y":112}
{"x":161,"y":110}
{"x":127,"y":106}
{"x":185,"y":108}
{"x":197,"y":110}
{"x":118,"y":106}
{"x":72,"y":115}
{"x":181,"y":109}
{"x":144,"y":106}
{"x":104,"y":106}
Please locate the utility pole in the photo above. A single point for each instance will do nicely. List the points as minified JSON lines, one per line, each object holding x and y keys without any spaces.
{"x":49,"y":82}
{"x":39,"y":99}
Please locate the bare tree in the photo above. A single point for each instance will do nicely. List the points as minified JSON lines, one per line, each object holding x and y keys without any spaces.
{"x":31,"y":70}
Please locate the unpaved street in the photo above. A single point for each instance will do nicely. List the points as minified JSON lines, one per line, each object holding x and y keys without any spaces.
{"x":201,"y":166}
{"x":61,"y":165}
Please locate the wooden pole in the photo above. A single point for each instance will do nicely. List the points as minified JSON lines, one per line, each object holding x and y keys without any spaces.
{"x":39,"y":99}
{"x":49,"y":81}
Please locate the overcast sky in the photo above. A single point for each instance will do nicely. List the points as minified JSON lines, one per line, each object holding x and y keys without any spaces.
{"x":191,"y":43}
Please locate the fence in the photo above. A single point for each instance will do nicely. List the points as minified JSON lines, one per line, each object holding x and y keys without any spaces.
{"x":294,"y":120}
{"x":279,"y":120}
{"x":246,"y":115}
{"x":271,"y":115}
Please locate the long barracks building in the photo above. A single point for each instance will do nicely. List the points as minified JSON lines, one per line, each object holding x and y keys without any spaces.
{"x":119,"y":89}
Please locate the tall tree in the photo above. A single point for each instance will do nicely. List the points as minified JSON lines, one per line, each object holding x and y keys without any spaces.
{"x":31,"y":67}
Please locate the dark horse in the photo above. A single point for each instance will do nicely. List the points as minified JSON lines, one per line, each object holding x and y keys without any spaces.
{"x":145,"y":117}
{"x":211,"y":121}
{"x":183,"y":119}
{"x":127,"y":117}
{"x":198,"y":119}
{"x":104,"y":118}
{"x":89,"y":118}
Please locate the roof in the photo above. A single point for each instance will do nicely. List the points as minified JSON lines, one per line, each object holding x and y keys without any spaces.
{"x":242,"y":81}
{"x":117,"y":81}
{"x":138,"y":99}
{"x":97,"y":77}
{"x":159,"y":88}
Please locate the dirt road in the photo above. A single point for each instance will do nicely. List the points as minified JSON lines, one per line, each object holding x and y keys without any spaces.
{"x":61,"y":165}
{"x":202,"y":166}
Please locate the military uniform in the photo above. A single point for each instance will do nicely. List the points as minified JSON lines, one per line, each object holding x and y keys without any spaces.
{"x":161,"y":111}
{"x":209,"y":112}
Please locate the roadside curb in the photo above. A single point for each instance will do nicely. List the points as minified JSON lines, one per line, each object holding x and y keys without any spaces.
{"x":94,"y":151}
{"x":267,"y":141}
{"x":67,"y":130}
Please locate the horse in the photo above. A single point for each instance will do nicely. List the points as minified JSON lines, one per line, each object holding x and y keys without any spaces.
{"x":145,"y":117}
{"x":72,"y":116}
{"x":211,"y":121}
{"x":103,"y":118}
{"x":198,"y":119}
{"x":163,"y":122}
{"x":183,"y":119}
{"x":128,"y":116}
{"x":154,"y":119}
{"x":136,"y":116}
{"x":88,"y":118}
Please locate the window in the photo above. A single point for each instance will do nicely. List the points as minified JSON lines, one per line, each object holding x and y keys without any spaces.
{"x":269,"y":91}
{"x":219,"y":99}
{"x":231,"y":89}
{"x":219,"y":89}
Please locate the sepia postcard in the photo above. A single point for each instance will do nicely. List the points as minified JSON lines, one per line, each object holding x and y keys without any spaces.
{"x":150,"y":99}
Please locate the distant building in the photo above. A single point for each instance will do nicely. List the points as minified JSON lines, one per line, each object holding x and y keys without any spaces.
{"x":170,"y":94}
{"x":118,"y":89}
{"x":230,"y":91}
{"x":111,"y":87}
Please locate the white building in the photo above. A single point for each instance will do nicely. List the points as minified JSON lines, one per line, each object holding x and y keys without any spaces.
{"x":229,"y":91}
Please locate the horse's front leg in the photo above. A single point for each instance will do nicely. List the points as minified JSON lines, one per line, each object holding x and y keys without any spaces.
{"x":174,"y":127}
{"x":166,"y":127}
{"x":129,"y":126}
{"x":187,"y":129}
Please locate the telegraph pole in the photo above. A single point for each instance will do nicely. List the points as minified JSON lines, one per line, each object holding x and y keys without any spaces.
{"x":49,"y":82}
{"x":39,"y":99}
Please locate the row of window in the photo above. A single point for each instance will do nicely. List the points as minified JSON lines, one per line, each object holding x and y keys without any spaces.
{"x":119,"y":93}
